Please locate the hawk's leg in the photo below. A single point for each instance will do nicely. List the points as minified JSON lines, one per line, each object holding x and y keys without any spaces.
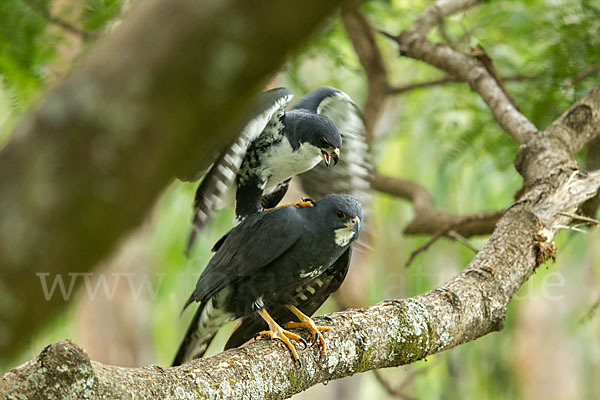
{"x":277,"y":332}
{"x":307,"y":323}
{"x":300,"y":204}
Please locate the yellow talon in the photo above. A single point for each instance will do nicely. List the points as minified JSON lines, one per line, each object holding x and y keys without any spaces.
{"x":277,"y":332}
{"x":309,"y":324}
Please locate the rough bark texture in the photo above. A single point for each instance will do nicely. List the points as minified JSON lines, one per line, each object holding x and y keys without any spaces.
{"x":87,"y":165}
{"x":391,"y":333}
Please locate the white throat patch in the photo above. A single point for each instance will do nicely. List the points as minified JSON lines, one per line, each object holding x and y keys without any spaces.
{"x":343,"y":236}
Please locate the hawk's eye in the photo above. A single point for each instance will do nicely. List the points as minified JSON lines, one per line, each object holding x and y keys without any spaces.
{"x":323,"y":142}
{"x":340,"y":214}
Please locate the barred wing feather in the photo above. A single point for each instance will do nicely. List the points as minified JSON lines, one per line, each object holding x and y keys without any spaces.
{"x":220,"y":177}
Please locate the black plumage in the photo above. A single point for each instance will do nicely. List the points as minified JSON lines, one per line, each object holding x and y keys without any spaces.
{"x":273,"y":147}
{"x":351,"y":174}
{"x":274,"y":260}
{"x":277,"y":145}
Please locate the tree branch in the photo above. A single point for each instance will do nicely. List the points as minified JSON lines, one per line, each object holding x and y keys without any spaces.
{"x":392,"y":333}
{"x":428,"y":219}
{"x":413,"y":43}
{"x":592,"y":162}
{"x":157,"y":98}
{"x":363,"y":39}
{"x":391,"y":90}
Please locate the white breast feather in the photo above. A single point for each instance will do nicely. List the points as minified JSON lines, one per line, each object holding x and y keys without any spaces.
{"x":283,"y":162}
{"x":343,"y":236}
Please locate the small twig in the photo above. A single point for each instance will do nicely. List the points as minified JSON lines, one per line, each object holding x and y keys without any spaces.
{"x":399,"y":392}
{"x":445,"y":80}
{"x":460,"y":238}
{"x":570,"y":228}
{"x":39,"y":9}
{"x":443,"y":232}
{"x":389,"y":388}
{"x":480,"y":54}
{"x":591,"y":221}
{"x":582,"y":75}
{"x":385,"y":33}
{"x":591,"y":312}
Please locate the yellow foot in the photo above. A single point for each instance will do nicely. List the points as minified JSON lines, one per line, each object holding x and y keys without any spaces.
{"x":309,"y":324}
{"x":277,"y":332}
{"x":300,"y":204}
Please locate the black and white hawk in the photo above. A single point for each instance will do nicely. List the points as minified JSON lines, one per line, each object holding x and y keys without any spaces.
{"x":277,"y":144}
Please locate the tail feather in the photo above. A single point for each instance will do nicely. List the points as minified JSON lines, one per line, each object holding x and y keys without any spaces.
{"x":201,"y":332}
{"x":190,"y":341}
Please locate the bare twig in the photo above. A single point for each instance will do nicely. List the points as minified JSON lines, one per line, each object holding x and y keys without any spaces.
{"x":590,"y":313}
{"x":445,"y":230}
{"x":590,"y":221}
{"x":583,"y":75}
{"x":445,"y":80}
{"x":389,"y":388}
{"x":436,"y":12}
{"x":460,"y":238}
{"x":399,"y":392}
{"x":480,"y":54}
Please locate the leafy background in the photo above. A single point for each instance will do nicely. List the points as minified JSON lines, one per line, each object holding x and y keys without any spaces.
{"x":442,"y":137}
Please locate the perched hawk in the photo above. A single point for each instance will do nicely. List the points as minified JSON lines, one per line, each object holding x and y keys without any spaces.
{"x":274,"y":265}
{"x":277,"y":145}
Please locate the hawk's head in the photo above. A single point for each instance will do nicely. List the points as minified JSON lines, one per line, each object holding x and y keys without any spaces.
{"x":342,"y":214}
{"x":321,"y":134}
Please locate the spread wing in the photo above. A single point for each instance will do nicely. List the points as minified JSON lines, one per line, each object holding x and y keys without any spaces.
{"x":350,"y":175}
{"x":221,"y":175}
{"x":248,"y":248}
{"x":330,"y":282}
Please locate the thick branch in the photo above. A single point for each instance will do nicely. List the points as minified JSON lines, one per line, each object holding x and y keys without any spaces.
{"x":391,"y":333}
{"x":592,"y":162}
{"x":428,"y":219}
{"x":553,"y":148}
{"x":156,"y":99}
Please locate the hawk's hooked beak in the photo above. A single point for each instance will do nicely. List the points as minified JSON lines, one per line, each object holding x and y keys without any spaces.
{"x":331,"y":154}
{"x":354,"y":224}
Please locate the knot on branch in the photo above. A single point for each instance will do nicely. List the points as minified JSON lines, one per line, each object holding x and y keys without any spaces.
{"x":579,"y":117}
{"x":66,"y":363}
{"x":545,"y":248}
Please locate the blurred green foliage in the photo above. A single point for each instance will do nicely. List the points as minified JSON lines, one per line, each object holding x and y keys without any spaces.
{"x":444,"y":138}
